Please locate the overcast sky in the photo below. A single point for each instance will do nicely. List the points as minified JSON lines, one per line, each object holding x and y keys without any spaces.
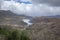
{"x":32,"y":7}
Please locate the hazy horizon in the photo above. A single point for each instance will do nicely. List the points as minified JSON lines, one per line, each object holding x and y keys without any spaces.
{"x":32,"y":7}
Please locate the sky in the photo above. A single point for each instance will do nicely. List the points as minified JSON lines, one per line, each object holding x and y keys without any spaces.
{"x":32,"y":7}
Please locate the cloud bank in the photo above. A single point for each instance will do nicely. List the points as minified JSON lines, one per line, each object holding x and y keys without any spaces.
{"x":36,"y":8}
{"x":48,"y":2}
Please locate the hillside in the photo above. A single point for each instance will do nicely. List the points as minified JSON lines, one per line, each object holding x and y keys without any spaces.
{"x":45,"y":29}
{"x":11,"y":19}
{"x":56,"y":16}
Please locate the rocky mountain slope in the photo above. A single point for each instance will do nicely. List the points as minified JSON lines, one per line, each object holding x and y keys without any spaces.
{"x":11,"y":19}
{"x":45,"y":29}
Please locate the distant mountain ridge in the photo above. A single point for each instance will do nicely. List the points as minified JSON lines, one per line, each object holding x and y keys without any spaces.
{"x":55,"y":16}
{"x":8,"y":13}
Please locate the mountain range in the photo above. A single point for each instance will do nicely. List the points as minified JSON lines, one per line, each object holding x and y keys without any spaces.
{"x":55,"y":16}
{"x":10,"y":18}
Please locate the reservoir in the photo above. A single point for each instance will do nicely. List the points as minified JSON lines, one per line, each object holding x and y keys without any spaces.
{"x":27,"y":21}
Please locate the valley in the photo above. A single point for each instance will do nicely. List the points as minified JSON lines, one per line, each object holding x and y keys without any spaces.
{"x":39,"y":28}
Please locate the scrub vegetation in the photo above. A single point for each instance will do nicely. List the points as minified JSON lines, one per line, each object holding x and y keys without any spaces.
{"x":13,"y":34}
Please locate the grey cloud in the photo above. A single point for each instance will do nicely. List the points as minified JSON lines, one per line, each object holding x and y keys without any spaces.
{"x":49,"y":2}
{"x":31,"y":9}
{"x":1,"y":2}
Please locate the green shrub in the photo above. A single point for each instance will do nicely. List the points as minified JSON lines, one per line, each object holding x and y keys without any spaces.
{"x":14,"y":34}
{"x":24,"y":36}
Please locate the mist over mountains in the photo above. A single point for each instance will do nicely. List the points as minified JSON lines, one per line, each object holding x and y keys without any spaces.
{"x":8,"y":13}
{"x":8,"y":17}
{"x":31,"y":8}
